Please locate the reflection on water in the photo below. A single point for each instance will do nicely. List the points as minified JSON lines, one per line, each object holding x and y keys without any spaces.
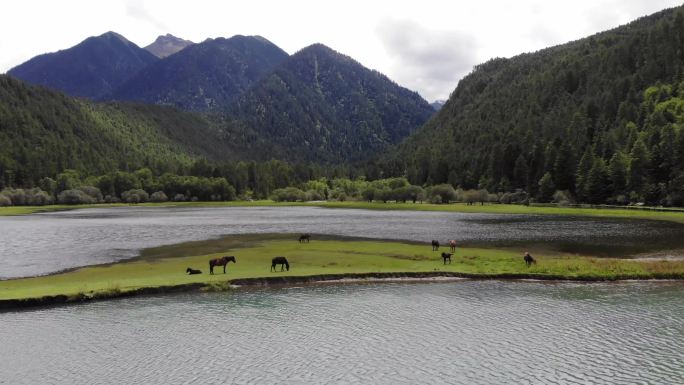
{"x":465,"y":332}
{"x":43,"y":243}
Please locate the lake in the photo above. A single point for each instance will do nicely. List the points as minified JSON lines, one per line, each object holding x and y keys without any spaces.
{"x":459,"y":332}
{"x":49,"y":242}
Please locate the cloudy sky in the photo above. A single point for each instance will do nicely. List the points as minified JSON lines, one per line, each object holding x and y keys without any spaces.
{"x":425,"y":45}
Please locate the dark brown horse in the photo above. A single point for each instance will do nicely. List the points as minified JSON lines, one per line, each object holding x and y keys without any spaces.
{"x":452,"y":245}
{"x":529,"y":260}
{"x":304,"y":238}
{"x":223,"y":261}
{"x":435,"y":245}
{"x":446,"y":256}
{"x":192,"y":271}
{"x":282,"y":261}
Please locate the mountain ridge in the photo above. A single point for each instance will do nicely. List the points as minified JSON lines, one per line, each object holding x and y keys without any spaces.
{"x":89,"y":69}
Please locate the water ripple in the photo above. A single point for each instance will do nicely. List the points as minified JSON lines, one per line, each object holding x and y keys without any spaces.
{"x":462,"y":332}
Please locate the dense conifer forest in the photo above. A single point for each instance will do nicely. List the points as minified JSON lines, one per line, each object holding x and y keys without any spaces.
{"x":599,"y":119}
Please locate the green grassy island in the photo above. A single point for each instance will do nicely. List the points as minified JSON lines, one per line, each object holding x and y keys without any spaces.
{"x":325,"y":258}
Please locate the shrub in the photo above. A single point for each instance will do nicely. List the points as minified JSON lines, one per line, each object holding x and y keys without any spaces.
{"x":74,"y":197}
{"x":41,"y":198}
{"x":288,"y":194}
{"x":5,"y":201}
{"x":314,"y":195}
{"x":563,"y":198}
{"x":518,"y":197}
{"x":436,"y":199}
{"x":111,"y":199}
{"x":445,"y":191}
{"x":179,"y":198}
{"x":17,"y":196}
{"x":135,"y":196}
{"x":158,"y":197}
{"x":93,"y":192}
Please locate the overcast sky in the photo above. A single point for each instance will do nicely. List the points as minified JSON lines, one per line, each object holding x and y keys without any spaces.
{"x":424,"y":45}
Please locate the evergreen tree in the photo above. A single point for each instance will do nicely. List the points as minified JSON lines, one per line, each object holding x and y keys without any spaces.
{"x":617,"y":171}
{"x":521,"y":172}
{"x":546,"y":188}
{"x":583,"y":169}
{"x":598,"y":182}
{"x":638,"y":165}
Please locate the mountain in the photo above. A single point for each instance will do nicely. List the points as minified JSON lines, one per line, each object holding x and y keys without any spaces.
{"x":437,"y":104}
{"x":44,"y":132}
{"x":166,"y":45}
{"x":323,"y":106}
{"x":599,"y":117}
{"x":203,"y":76}
{"x":90,"y":69}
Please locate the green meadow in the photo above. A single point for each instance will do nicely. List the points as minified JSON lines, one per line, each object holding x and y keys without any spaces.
{"x":165,"y":266}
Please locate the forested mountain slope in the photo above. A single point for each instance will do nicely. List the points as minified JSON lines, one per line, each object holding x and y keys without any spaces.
{"x":90,"y":69}
{"x":320,"y":105}
{"x":44,"y":132}
{"x":204,"y":76}
{"x":600,"y":117}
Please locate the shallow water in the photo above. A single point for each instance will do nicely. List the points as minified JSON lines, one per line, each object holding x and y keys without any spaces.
{"x":464,"y":332}
{"x":44,"y":243}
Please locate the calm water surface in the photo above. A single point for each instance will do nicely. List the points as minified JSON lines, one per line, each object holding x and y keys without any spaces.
{"x":464,"y":332}
{"x":43,"y":243}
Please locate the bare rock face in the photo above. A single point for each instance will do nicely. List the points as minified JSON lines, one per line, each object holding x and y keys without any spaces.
{"x":166,"y":45}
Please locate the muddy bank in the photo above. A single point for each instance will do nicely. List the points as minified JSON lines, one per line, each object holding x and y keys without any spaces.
{"x":17,"y":304}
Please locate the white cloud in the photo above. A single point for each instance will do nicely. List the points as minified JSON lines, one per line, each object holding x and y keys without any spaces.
{"x":427,"y":60}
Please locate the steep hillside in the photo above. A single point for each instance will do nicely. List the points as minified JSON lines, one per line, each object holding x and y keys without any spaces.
{"x":204,"y":76}
{"x":585,"y":114}
{"x":166,"y":45}
{"x":90,"y":69}
{"x":44,"y":132}
{"x":323,"y":106}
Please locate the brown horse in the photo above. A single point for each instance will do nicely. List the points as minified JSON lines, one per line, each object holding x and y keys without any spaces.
{"x":446,"y":256}
{"x":223,"y":261}
{"x":452,"y":245}
{"x":282,"y":261}
{"x":304,"y":238}
{"x":529,"y":260}
{"x":435,"y":245}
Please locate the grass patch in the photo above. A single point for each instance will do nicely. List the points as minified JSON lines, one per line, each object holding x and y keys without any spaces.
{"x":165,"y":266}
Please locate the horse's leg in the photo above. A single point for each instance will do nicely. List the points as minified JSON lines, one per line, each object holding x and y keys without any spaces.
{"x":211,"y":268}
{"x":224,"y":268}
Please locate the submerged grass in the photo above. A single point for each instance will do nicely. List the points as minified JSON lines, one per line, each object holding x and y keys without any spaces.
{"x":165,"y":266}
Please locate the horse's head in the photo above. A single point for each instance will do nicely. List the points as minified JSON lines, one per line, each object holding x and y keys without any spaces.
{"x":230,"y":258}
{"x":188,"y":270}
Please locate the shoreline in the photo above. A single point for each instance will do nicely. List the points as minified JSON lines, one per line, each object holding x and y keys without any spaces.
{"x":8,"y":305}
{"x":625,"y":212}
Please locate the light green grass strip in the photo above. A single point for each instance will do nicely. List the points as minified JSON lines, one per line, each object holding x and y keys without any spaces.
{"x":165,"y":266}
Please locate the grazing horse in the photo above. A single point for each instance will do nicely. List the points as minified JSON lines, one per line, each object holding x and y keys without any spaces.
{"x":223,"y":261}
{"x":435,"y":245}
{"x":282,"y":261}
{"x":192,"y":271}
{"x":446,"y":256}
{"x":304,"y":238}
{"x":529,"y":260}
{"x":452,"y":245}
